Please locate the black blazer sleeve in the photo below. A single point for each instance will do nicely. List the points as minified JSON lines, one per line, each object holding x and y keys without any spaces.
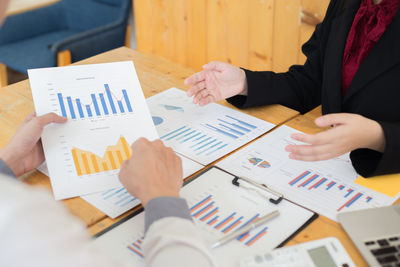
{"x":300,"y":87}
{"x":369,"y":163}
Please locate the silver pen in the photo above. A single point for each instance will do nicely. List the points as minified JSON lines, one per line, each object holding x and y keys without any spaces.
{"x":246,"y":229}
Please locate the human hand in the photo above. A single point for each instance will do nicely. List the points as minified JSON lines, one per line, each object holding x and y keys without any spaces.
{"x":349,"y":132}
{"x":153,"y":171}
{"x":24,"y":152}
{"x":217,"y":81}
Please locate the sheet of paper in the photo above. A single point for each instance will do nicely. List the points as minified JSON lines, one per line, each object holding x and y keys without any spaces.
{"x":326,"y":187}
{"x":218,"y":208}
{"x":117,"y":201}
{"x":385,"y":184}
{"x":106,"y":111}
{"x":203,"y":134}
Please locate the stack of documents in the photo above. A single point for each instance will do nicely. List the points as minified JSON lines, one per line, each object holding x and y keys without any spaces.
{"x":107,"y":112}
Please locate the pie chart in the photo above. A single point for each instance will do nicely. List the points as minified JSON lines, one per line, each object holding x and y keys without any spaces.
{"x":157,"y":120}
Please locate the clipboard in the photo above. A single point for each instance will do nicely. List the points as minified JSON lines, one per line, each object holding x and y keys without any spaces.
{"x":275,"y":198}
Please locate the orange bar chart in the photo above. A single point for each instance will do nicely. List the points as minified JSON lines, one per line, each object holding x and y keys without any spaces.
{"x":87,"y":162}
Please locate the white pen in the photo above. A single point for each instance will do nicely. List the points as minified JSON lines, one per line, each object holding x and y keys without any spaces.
{"x":246,"y":229}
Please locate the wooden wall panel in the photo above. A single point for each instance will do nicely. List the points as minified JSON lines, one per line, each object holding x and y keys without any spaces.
{"x":144,"y":30}
{"x":256,"y":34}
{"x":217,"y":30}
{"x":261,"y":31}
{"x":286,"y":32}
{"x":196,"y":34}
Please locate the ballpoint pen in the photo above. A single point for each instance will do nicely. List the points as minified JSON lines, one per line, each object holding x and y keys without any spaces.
{"x":245,"y":229}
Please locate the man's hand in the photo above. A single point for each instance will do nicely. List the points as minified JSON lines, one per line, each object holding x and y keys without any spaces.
{"x":153,"y":171}
{"x":348,"y":132}
{"x":216,"y":82}
{"x":25,"y":152}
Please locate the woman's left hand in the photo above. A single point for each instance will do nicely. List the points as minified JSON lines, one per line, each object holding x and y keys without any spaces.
{"x":348,"y":132}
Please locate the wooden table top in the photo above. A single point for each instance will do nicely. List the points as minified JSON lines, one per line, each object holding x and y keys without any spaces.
{"x":155,"y":75}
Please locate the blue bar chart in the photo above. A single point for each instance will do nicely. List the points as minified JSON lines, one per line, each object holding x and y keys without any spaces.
{"x":113,"y":202}
{"x":210,"y":138}
{"x":202,"y":134}
{"x":101,"y":104}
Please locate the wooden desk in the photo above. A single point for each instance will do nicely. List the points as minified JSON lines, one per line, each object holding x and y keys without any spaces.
{"x":155,"y":75}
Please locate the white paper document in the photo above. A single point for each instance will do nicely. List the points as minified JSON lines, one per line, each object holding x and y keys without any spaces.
{"x":326,"y":187}
{"x":106,"y":112}
{"x":218,"y":208}
{"x":117,"y":201}
{"x":203,"y":134}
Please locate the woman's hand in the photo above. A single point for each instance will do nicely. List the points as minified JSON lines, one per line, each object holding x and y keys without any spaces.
{"x":217,"y":81}
{"x":348,"y":132}
{"x":25,"y":152}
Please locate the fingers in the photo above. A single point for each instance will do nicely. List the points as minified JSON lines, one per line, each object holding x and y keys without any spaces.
{"x":195,"y":78}
{"x":195,"y":89}
{"x":309,"y":150}
{"x":206,"y":100}
{"x":214,"y":65}
{"x":315,"y":139}
{"x":202,"y":95}
{"x":317,"y":157}
{"x":333,"y":119}
{"x":50,"y":118}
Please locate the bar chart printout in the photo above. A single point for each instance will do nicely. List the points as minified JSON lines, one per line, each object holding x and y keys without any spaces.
{"x":218,"y":208}
{"x":104,"y":104}
{"x":117,"y":201}
{"x":326,"y":187}
{"x":202,"y":134}
{"x":101,"y":104}
{"x":208,"y":212}
{"x":346,"y":196}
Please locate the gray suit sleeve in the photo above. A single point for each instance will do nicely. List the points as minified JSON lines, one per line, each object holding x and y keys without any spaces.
{"x":4,"y":169}
{"x":162,"y":207}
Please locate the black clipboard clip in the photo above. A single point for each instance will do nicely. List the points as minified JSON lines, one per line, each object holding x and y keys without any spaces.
{"x":276,"y":201}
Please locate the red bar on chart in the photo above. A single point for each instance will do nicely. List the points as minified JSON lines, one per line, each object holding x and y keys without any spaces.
{"x":351,"y":201}
{"x":298,"y":178}
{"x":309,"y":180}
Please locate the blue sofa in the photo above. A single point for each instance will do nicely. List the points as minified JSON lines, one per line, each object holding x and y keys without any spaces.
{"x":83,"y":27}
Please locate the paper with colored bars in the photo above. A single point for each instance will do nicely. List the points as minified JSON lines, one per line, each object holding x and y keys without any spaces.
{"x":326,"y":187}
{"x":203,"y":134}
{"x":218,"y":208}
{"x":117,"y":201}
{"x":87,"y":163}
{"x":106,"y":110}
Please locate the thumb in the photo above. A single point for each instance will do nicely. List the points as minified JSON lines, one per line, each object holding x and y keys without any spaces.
{"x":214,"y":65}
{"x":50,"y":118}
{"x":332,"y":119}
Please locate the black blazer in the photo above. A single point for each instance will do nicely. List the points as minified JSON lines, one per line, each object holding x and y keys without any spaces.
{"x":373,"y":93}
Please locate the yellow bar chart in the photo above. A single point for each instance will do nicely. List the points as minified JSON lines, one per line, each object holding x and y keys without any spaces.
{"x":87,"y":162}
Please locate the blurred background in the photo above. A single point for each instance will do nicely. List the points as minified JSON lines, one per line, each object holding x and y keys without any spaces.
{"x":254,"y":34}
